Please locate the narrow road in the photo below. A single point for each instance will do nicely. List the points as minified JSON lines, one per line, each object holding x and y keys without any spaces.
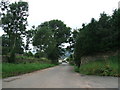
{"x":62,"y":76}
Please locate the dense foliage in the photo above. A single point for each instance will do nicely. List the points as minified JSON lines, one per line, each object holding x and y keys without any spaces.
{"x":49,"y":38}
{"x":14,"y":22}
{"x":98,"y":36}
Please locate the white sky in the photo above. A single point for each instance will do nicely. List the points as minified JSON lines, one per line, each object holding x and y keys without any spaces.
{"x":71,"y":12}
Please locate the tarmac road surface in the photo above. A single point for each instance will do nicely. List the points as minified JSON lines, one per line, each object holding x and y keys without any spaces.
{"x":62,"y":76}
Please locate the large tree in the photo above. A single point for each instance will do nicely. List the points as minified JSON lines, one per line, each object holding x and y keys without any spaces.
{"x":43,"y":39}
{"x":61,"y":35}
{"x":14,"y":21}
{"x":58,"y":33}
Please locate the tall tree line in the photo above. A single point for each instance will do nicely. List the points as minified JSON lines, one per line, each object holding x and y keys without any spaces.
{"x":98,"y":36}
{"x":48,"y":38}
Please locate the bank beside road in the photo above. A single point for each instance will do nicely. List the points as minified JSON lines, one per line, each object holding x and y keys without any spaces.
{"x":101,"y":67}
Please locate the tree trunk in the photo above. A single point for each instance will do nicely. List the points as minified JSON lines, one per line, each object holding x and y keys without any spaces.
{"x":79,"y":63}
{"x":11,"y":58}
{"x":77,"y":60}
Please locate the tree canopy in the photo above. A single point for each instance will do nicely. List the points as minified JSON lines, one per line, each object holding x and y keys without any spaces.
{"x":98,"y":36}
{"x":49,"y":38}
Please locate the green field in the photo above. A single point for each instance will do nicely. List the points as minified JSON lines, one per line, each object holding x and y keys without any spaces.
{"x":17,"y":69}
{"x":108,"y":67}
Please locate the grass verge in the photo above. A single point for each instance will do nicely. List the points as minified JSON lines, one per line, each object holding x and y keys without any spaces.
{"x":0,"y":70}
{"x":108,"y":67}
{"x":17,"y":69}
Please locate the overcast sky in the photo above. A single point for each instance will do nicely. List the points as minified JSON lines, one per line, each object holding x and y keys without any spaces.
{"x":72,"y":12}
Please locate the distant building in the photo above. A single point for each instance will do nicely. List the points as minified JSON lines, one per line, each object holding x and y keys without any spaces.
{"x":60,"y":61}
{"x":119,"y":4}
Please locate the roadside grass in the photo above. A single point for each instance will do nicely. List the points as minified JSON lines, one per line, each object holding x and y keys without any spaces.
{"x":17,"y":69}
{"x":0,"y":70}
{"x":108,"y":67}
